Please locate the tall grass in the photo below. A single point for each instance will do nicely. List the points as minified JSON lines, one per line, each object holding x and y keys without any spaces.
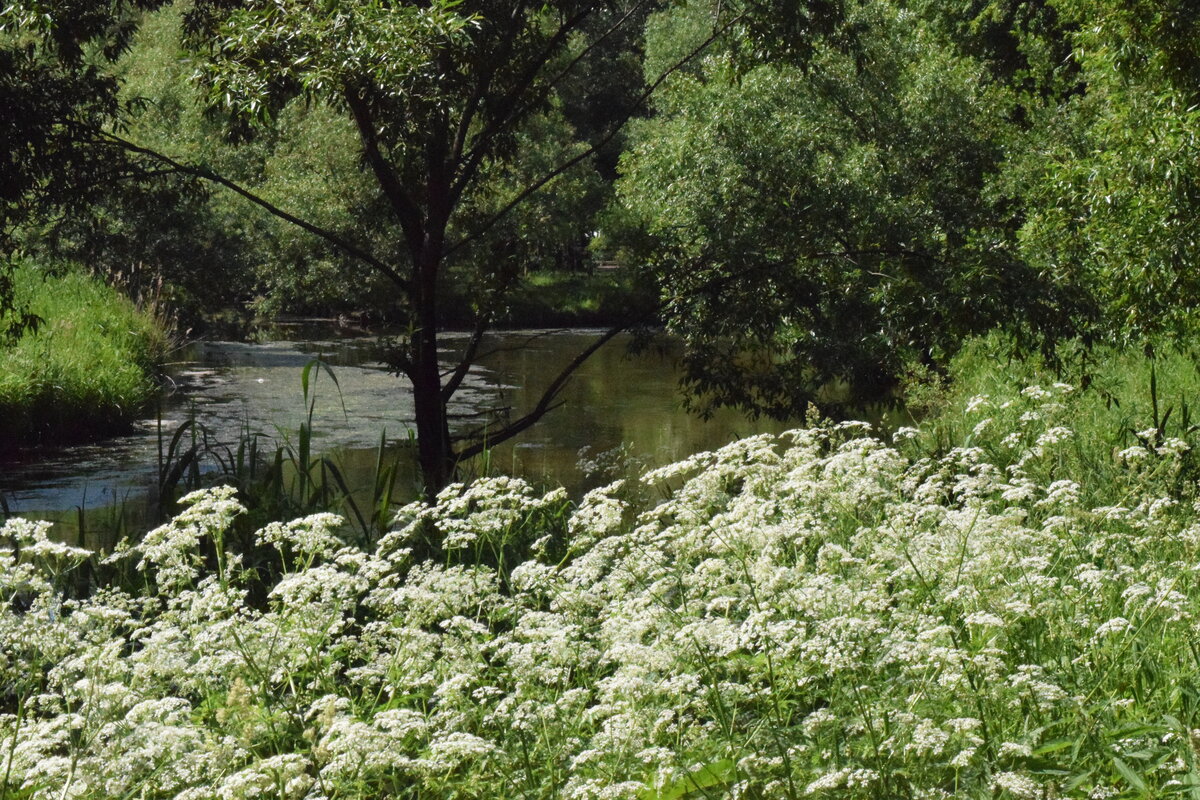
{"x":282,"y":476}
{"x":87,"y":370}
{"x":1114,"y":401}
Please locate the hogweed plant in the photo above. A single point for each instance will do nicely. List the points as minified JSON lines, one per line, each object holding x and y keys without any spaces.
{"x":818,"y":614}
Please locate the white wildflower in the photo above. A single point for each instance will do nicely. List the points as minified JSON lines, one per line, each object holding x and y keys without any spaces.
{"x":977,"y":402}
{"x":1017,"y":784}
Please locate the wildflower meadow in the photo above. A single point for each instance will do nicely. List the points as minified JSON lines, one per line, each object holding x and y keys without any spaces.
{"x":825,"y":613}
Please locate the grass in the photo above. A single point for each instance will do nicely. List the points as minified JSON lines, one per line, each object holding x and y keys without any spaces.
{"x":1112,"y":401}
{"x":88,"y":368}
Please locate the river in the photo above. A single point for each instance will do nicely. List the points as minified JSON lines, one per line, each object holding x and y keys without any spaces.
{"x":615,"y":400}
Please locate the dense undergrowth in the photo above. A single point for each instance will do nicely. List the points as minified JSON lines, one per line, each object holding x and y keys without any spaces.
{"x":1002,"y":603}
{"x":85,"y":371}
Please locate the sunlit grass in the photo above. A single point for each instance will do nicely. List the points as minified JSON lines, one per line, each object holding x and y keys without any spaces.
{"x":86,"y":370}
{"x":1114,"y":400}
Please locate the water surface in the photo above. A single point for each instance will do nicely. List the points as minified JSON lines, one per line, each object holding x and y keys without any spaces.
{"x":615,"y":400}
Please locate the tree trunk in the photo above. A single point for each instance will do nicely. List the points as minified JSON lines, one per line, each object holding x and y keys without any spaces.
{"x":435,"y":451}
{"x":433,"y":431}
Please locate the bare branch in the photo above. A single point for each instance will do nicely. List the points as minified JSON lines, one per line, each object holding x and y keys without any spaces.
{"x":208,"y":175}
{"x":464,"y":364}
{"x":545,"y":404}
{"x":481,"y":433}
{"x":481,"y":88}
{"x":471,"y":163}
{"x":483,"y":413}
{"x":510,"y":108}
{"x":126,"y":176}
{"x":514,"y":348}
{"x":616,"y":26}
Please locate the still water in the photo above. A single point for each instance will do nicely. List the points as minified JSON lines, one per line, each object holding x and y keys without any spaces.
{"x":615,"y":400}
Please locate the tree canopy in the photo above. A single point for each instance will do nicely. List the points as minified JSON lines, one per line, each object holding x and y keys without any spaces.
{"x":822,"y":219}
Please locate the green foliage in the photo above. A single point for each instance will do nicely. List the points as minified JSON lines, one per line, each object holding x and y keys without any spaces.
{"x":85,"y":371}
{"x":264,"y":55}
{"x":550,"y":230}
{"x":162,"y":235}
{"x":826,"y":222}
{"x":822,"y":215}
{"x":1136,"y":410}
{"x":305,"y":157}
{"x":313,"y":168}
{"x":1106,"y":174}
{"x":553,"y":299}
{"x":57,"y":92}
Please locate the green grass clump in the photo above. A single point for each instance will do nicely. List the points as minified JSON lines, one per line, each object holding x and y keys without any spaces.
{"x":87,"y":369}
{"x":1118,"y":404}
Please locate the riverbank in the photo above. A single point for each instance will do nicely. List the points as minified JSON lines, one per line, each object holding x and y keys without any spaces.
{"x":599,"y":299}
{"x":986,"y":607}
{"x":86,"y":371}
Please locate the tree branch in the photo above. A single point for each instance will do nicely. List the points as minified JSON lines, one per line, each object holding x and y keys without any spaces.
{"x":616,"y":26}
{"x":332,"y":238}
{"x":406,"y":210}
{"x":508,"y":105}
{"x":480,"y":358}
{"x":471,"y":163}
{"x":481,"y":88}
{"x":593,"y":149}
{"x":464,"y":364}
{"x":545,"y":404}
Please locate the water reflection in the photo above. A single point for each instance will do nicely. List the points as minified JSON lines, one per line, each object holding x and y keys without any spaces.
{"x":615,"y":399}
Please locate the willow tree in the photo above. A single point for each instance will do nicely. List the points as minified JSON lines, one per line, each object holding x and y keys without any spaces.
{"x":829,"y":216}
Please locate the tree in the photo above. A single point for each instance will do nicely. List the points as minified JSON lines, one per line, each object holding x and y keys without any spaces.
{"x":54,"y":93}
{"x":820,"y":220}
{"x":1108,"y":172}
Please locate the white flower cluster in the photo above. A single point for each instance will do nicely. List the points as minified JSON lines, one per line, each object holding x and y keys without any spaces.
{"x":809,"y":614}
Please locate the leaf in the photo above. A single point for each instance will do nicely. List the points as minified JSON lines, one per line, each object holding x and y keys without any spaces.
{"x":319,"y":364}
{"x":1076,"y":781}
{"x":1131,"y":777}
{"x":1053,"y":746}
{"x":715,"y":774}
